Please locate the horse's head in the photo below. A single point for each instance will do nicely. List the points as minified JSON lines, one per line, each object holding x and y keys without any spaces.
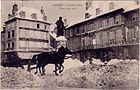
{"x":64,"y":50}
{"x":68,"y":51}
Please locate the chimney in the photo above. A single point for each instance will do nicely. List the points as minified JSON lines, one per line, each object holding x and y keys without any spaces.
{"x":42,"y":11}
{"x":15,"y":9}
{"x":98,"y":10}
{"x":111,"y":5}
{"x":88,"y":4}
{"x":9,"y":16}
{"x":137,"y":2}
{"x":87,"y":15}
{"x":45,"y":18}
{"x":65,"y":22}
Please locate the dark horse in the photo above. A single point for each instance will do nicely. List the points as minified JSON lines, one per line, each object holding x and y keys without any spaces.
{"x":56,"y":58}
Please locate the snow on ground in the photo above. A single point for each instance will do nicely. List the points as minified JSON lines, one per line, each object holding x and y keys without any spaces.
{"x":74,"y":63}
{"x":68,"y":63}
{"x":17,"y":78}
{"x":76,"y":75}
{"x":95,"y":61}
{"x":120,"y":75}
{"x":71,"y":63}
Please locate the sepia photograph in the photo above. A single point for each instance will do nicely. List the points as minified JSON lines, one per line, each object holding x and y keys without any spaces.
{"x":69,"y":45}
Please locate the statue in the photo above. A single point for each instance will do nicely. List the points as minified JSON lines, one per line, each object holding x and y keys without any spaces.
{"x":60,"y":27}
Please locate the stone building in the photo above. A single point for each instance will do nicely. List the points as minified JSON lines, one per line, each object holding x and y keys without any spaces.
{"x":26,"y":32}
{"x":115,"y":31}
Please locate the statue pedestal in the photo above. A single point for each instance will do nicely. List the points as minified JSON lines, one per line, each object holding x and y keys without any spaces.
{"x":61,"y":41}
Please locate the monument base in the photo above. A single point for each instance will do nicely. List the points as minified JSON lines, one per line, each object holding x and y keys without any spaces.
{"x":61,"y":41}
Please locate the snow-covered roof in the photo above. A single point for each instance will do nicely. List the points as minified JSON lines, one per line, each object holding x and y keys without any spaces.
{"x":102,"y":13}
{"x":61,"y":38}
{"x":131,"y":8}
{"x":28,"y":14}
{"x":92,"y":17}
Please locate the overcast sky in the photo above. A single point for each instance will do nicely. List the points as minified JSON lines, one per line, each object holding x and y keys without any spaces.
{"x":71,"y":10}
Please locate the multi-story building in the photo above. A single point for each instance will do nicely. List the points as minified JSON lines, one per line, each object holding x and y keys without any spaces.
{"x":115,"y":31}
{"x":26,"y":32}
{"x":93,"y":8}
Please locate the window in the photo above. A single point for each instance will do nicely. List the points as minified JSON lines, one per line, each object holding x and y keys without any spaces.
{"x":82,"y":42}
{"x":23,"y":43}
{"x":12,"y":44}
{"x":8,"y":34}
{"x":137,"y":32}
{"x":81,"y":29}
{"x":31,"y":33}
{"x":34,"y":16}
{"x":126,"y":30}
{"x":111,"y":37}
{"x":98,"y":24}
{"x":13,"y":33}
{"x":22,"y":14}
{"x":105,"y":37}
{"x":135,"y":17}
{"x":45,"y":26}
{"x":111,"y":21}
{"x":71,"y":32}
{"x":86,"y":27}
{"x":30,"y":44}
{"x":133,"y":33}
{"x":98,"y":39}
{"x":92,"y":26}
{"x":118,"y":19}
{"x":119,"y":35}
{"x":38,"y":26}
{"x":104,"y":23}
{"x":8,"y":45}
{"x":22,"y":33}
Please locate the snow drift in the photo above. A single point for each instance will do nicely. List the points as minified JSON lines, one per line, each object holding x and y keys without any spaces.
{"x":121,"y":75}
{"x":17,"y":78}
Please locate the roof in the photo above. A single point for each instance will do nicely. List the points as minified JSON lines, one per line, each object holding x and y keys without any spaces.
{"x":103,"y":13}
{"x":131,"y":8}
{"x":28,"y":12}
{"x":61,"y":38}
{"x":93,"y":17}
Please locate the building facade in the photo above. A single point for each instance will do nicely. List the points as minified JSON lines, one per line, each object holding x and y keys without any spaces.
{"x":113,"y":32}
{"x":27,"y":32}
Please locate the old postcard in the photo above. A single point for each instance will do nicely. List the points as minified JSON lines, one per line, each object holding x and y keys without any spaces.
{"x":69,"y":44}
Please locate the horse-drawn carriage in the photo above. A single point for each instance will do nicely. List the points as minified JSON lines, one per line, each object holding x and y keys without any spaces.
{"x":45,"y":58}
